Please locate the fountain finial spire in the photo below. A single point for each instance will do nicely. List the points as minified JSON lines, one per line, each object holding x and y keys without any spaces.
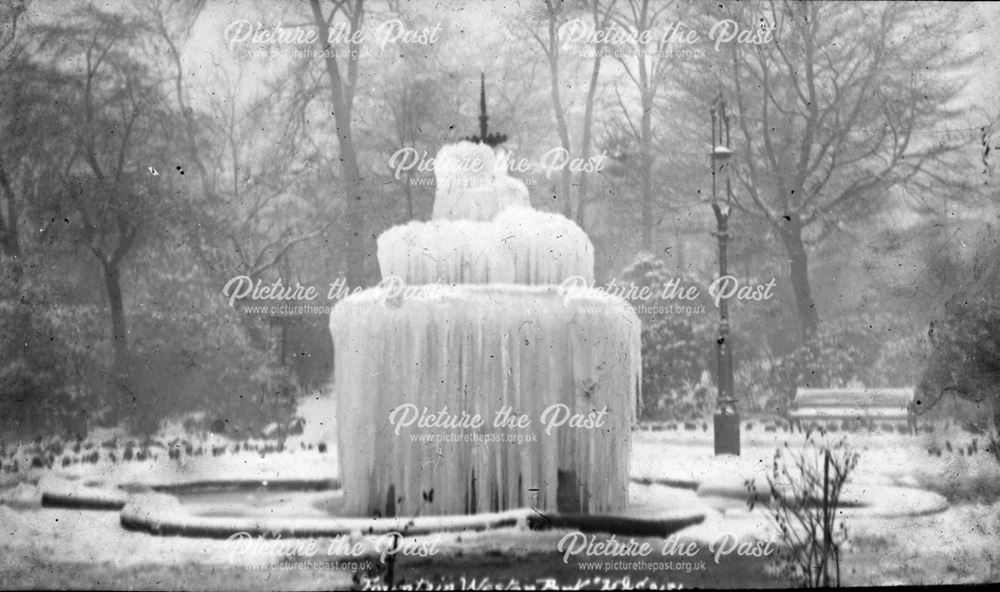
{"x":491,"y":140}
{"x":483,"y":118}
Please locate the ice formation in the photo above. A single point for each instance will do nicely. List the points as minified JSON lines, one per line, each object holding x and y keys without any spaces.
{"x":482,"y":328}
{"x":473,"y":184}
{"x":518,"y":246}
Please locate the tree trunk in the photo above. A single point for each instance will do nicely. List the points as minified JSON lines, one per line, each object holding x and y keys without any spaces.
{"x":646,"y":91}
{"x":646,"y":173}
{"x":14,"y":269}
{"x":112,"y":283}
{"x":583,"y":183}
{"x":798,"y":260}
{"x":360,"y":250}
{"x":119,"y":338}
{"x":561,"y":126}
{"x":585,"y":142}
{"x":16,"y":331}
{"x":408,"y":190}
{"x":10,"y":241}
{"x":360,"y":243}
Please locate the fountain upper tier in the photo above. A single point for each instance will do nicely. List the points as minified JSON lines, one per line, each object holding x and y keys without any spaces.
{"x":473,"y":183}
{"x":483,"y":230}
{"x":519,"y":246}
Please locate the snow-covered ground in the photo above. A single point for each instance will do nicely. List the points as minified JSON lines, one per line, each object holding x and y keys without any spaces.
{"x":44,"y":546}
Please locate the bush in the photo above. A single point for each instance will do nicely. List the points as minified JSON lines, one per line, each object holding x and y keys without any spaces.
{"x":36,"y":392}
{"x":83,"y":355}
{"x":882,"y":351}
{"x":204,"y":362}
{"x":804,"y":491}
{"x":966,"y":357}
{"x":678,"y":352}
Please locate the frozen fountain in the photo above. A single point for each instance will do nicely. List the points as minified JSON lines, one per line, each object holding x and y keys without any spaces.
{"x":470,"y":329}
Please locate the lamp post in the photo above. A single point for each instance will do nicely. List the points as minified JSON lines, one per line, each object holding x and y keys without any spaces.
{"x":727,"y":420}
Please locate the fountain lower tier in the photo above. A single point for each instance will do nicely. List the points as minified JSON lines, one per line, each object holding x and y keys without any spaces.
{"x":431,"y":386}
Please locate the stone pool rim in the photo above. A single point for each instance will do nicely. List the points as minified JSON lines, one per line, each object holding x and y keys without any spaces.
{"x":163,"y":515}
{"x":60,"y":492}
{"x":156,"y":510}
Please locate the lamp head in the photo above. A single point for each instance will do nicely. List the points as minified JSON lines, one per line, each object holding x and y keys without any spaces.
{"x":721,"y":154}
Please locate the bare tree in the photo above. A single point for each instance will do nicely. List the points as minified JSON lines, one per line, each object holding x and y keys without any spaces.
{"x":415,"y":91}
{"x":601,"y":18}
{"x":253,"y":174}
{"x":647,"y":63}
{"x":830,"y":105}
{"x":19,"y":96}
{"x":343,"y":82}
{"x":551,"y":42}
{"x":550,"y":45}
{"x":106,"y":183}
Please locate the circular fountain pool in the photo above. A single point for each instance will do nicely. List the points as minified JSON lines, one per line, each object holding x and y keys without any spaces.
{"x":304,"y":508}
{"x":289,"y":509}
